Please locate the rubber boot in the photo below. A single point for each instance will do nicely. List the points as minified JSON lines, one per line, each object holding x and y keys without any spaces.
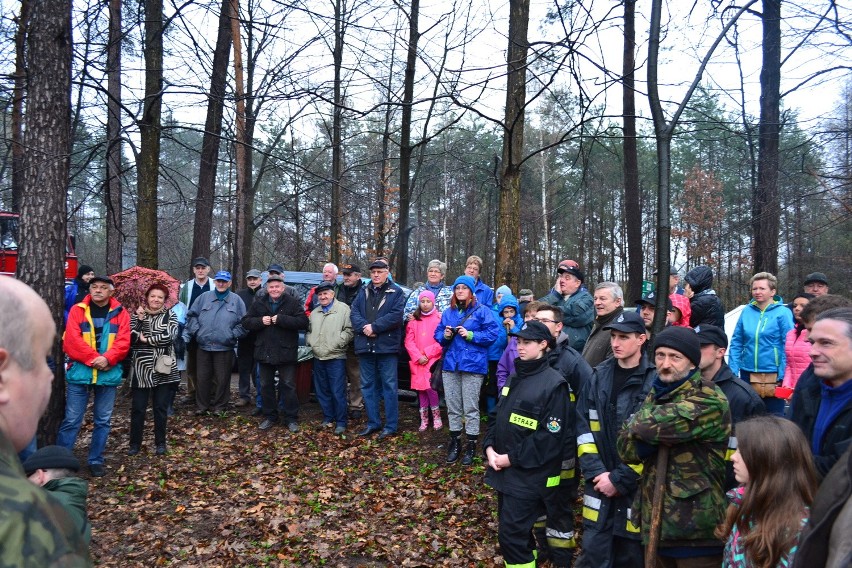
{"x":437,"y":424}
{"x":469,"y":451}
{"x":454,"y":448}
{"x":424,"y":420}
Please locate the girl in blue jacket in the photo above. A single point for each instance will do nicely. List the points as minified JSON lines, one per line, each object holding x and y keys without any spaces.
{"x":466,"y":331}
{"x":757,"y":345}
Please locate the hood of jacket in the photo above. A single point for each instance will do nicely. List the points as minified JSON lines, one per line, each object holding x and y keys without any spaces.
{"x":508,"y":301}
{"x":699,"y":278}
{"x":681,"y":302}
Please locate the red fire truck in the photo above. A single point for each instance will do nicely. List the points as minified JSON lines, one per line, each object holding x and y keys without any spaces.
{"x":9,"y":247}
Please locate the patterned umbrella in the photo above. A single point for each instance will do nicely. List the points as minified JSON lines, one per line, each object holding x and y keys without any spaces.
{"x":131,"y":284}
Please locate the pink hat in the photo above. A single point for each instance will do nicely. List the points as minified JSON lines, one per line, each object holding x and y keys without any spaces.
{"x":426,"y":294}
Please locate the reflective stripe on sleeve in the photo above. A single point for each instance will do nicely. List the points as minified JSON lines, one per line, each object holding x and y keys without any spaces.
{"x":591,"y":507}
{"x":586,"y":444}
{"x":732,"y":448}
{"x":630,"y":526}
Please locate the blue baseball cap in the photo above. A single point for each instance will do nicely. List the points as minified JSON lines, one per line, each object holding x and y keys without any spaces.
{"x":223,"y":275}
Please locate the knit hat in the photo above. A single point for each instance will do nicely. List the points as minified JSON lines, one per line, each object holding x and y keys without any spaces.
{"x":51,"y":457}
{"x":426,"y":294}
{"x":465,"y":280}
{"x":503,"y":290}
{"x":83,"y":270}
{"x":681,"y":339}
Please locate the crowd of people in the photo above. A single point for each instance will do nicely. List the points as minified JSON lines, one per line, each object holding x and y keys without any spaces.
{"x":685,"y":457}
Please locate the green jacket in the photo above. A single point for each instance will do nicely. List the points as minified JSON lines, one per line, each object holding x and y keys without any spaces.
{"x":35,"y":530}
{"x":695,"y":422}
{"x":330,"y":332}
{"x":72,"y":493}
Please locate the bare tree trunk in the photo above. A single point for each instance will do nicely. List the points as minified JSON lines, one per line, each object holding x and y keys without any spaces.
{"x":405,"y":148}
{"x":148,"y":162}
{"x":18,"y":108}
{"x":509,"y":215}
{"x":766,"y":210}
{"x":336,"y":137}
{"x":632,"y":206}
{"x":47,"y":137}
{"x":663,"y":131}
{"x":203,"y":227}
{"x":243,"y":216}
{"x":112,"y":197}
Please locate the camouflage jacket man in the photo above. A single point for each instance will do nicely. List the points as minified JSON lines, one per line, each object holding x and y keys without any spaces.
{"x":35,"y":530}
{"x":694,"y":420}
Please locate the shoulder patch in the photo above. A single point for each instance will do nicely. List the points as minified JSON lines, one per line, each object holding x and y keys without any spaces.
{"x":554,"y":425}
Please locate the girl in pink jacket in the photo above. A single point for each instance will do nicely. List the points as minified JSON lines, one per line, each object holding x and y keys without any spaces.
{"x":796,"y":346}
{"x":424,"y":351}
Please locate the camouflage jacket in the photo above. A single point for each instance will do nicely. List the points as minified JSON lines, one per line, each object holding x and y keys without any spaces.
{"x":695,"y":422}
{"x":35,"y":530}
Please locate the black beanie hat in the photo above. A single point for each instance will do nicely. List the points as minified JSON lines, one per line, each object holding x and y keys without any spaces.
{"x":51,"y":457}
{"x":682,"y":339}
{"x":83,"y":270}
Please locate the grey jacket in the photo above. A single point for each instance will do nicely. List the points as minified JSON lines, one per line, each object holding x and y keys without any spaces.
{"x":215,"y":325}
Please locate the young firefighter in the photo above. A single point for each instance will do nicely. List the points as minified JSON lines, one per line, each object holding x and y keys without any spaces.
{"x":525,"y":441}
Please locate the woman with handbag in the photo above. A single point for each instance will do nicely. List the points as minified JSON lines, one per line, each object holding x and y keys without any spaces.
{"x":756,"y":353}
{"x":154,"y":372}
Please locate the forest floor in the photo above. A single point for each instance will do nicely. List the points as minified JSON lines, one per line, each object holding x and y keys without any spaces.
{"x":228,"y":494}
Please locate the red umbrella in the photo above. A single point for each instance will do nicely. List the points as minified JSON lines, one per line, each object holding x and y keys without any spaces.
{"x":131,"y":285}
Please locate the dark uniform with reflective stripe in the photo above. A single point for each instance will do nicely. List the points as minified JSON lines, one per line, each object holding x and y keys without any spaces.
{"x":610,"y":539}
{"x":554,"y":531}
{"x":533,"y":421}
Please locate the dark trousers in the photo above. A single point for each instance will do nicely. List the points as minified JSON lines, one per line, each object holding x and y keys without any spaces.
{"x":160,"y":396}
{"x":287,"y":388}
{"x":330,"y":388}
{"x":555,"y":530}
{"x":514,"y":532}
{"x":213,"y":383}
{"x":697,"y":562}
{"x":603,"y":549}
{"x":246,"y":368}
{"x":191,"y":368}
{"x":353,"y":375}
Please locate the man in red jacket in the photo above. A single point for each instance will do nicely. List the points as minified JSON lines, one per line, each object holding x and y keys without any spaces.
{"x":97,"y":339}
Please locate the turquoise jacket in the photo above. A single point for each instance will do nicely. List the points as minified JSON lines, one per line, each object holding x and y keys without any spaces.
{"x":757,"y":344}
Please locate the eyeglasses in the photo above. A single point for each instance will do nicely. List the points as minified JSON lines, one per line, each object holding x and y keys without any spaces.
{"x":545,"y":320}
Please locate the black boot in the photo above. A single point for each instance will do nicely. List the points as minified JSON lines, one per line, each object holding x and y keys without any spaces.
{"x":469,"y":451}
{"x":454,"y":448}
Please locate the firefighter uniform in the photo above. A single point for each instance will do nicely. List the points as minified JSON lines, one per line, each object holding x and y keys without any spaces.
{"x":554,"y":531}
{"x":531,"y":423}
{"x":610,"y":539}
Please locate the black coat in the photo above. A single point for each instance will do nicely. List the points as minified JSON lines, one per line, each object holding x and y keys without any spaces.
{"x":532,"y":423}
{"x":706,"y":306}
{"x":279,"y":343}
{"x":598,"y":424}
{"x":744,"y":403}
{"x":804,"y":410}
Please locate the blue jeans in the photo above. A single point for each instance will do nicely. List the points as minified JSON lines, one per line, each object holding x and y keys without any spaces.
{"x":379,"y":381}
{"x":330,"y":387}
{"x":76,"y":399}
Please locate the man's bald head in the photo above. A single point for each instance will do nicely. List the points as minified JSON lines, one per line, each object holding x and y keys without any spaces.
{"x":27,"y":332}
{"x":19,"y":306}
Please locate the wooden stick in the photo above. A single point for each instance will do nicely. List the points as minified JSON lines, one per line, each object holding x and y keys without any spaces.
{"x":657,"y":507}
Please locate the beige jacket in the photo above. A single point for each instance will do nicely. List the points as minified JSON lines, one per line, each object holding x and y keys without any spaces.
{"x":330,"y":332}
